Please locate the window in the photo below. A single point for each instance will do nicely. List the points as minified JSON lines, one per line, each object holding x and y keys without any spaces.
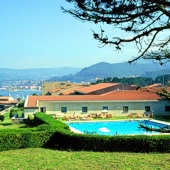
{"x":125,"y":108}
{"x":43,"y":109}
{"x":167,"y":108}
{"x":84,"y":109}
{"x":147,"y":108}
{"x":64,"y":109}
{"x":105,"y":108}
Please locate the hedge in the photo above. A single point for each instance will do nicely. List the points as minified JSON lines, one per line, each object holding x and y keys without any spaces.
{"x":137,"y":143}
{"x":23,"y":139}
{"x":51,"y":133}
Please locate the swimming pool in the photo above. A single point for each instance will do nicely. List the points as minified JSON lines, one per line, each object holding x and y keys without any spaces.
{"x":115,"y":127}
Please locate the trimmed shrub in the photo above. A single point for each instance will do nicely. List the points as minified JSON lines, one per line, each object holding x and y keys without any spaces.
{"x":2,"y":117}
{"x":13,"y":111}
{"x":31,"y":117}
{"x":2,"y":107}
{"x":42,"y":118}
{"x":23,"y":139}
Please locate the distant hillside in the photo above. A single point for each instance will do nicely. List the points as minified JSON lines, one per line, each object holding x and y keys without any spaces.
{"x":156,"y":73}
{"x":103,"y":70}
{"x":99,"y":70}
{"x":38,"y":73}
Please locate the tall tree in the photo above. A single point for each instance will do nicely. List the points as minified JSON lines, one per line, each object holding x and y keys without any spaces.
{"x":147,"y":21}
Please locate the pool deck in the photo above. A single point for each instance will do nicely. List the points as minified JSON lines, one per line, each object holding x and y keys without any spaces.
{"x":160,"y":121}
{"x":75,"y":130}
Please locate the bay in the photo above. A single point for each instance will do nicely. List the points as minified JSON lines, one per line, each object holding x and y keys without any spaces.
{"x":19,"y":93}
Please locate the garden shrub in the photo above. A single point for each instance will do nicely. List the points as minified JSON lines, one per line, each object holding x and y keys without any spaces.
{"x":2,"y":117}
{"x":66,"y":140}
{"x":42,"y":118}
{"x":13,"y":111}
{"x":31,"y":117}
{"x":2,"y":107}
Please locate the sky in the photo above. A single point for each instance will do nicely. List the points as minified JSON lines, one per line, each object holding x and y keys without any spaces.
{"x":37,"y":34}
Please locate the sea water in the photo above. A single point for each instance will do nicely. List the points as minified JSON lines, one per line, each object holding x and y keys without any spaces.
{"x":19,"y":93}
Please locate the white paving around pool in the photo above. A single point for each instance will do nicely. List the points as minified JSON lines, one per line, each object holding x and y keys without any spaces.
{"x":75,"y":130}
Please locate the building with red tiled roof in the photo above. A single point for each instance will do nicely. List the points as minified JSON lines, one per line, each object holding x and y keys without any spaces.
{"x":66,"y":88}
{"x":7,"y":100}
{"x":155,"y":86}
{"x":116,"y":102}
{"x":60,"y":88}
{"x":102,"y":88}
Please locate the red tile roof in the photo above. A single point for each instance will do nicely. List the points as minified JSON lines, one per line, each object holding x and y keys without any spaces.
{"x":112,"y":96}
{"x":155,"y":89}
{"x":155,"y":86}
{"x":96,"y":87}
{"x":66,"y":90}
{"x":132,"y":95}
{"x":7,"y":100}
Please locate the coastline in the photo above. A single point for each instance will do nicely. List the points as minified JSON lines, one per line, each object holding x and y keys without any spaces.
{"x":19,"y":93}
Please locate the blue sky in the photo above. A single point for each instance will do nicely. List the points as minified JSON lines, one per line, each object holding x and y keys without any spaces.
{"x":36,"y":34}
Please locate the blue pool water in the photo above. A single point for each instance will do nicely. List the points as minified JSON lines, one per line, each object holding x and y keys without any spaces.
{"x":115,"y":127}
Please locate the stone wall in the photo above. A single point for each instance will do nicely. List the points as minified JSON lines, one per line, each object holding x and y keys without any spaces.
{"x":47,"y":86}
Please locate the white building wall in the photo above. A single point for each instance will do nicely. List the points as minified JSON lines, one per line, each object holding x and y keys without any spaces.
{"x":114,"y":107}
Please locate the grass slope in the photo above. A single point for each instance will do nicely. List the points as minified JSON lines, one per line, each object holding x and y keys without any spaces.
{"x":35,"y":159}
{"x":46,"y":159}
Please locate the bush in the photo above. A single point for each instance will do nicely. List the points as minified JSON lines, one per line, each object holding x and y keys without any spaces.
{"x":13,"y":111}
{"x":31,"y":117}
{"x":2,"y":107}
{"x":10,"y":140}
{"x":2,"y":117}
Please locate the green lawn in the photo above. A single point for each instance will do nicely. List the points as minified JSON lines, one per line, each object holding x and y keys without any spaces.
{"x":38,"y":158}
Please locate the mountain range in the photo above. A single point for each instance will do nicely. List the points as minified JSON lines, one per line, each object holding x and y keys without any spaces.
{"x":35,"y":73}
{"x":91,"y":73}
{"x":104,"y":70}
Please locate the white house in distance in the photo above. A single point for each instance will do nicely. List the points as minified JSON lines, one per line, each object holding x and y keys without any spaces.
{"x":121,"y":102}
{"x":8,"y":101}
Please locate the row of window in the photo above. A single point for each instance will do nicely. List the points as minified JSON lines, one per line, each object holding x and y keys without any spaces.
{"x":147,"y":108}
{"x":85,"y":109}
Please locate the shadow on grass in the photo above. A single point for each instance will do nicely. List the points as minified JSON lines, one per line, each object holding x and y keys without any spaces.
{"x":5,"y":124}
{"x":163,"y":118}
{"x":17,"y":125}
{"x":27,"y":126}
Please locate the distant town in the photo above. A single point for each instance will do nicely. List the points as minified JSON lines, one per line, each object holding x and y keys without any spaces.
{"x":21,"y":85}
